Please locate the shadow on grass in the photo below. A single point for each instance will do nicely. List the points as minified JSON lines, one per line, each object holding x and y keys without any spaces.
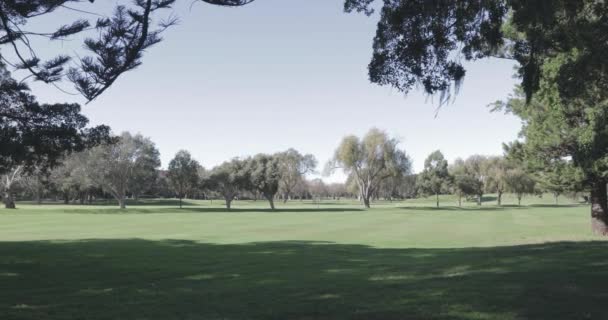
{"x":176,"y":279}
{"x":463,"y":209}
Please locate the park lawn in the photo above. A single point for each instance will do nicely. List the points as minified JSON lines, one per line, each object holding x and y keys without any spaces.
{"x":328,"y":260}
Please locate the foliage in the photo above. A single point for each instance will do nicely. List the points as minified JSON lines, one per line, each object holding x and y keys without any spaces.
{"x":183,"y":174}
{"x":228,"y":179}
{"x":294,"y":166}
{"x":425,"y":43}
{"x":264,"y":173}
{"x":435,"y":178}
{"x":35,"y":135}
{"x":116,"y":44}
{"x":113,"y":166}
{"x":370,"y":161}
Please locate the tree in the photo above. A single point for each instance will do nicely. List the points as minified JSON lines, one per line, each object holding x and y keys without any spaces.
{"x":112,"y":166}
{"x":497,"y":169}
{"x":555,"y":130}
{"x":370,"y":160}
{"x":464,"y":183}
{"x":228,"y":179}
{"x":36,"y":135}
{"x":435,"y":178}
{"x":425,"y":43}
{"x":558,"y":178}
{"x":183,"y":174}
{"x":520,"y":183}
{"x":116,"y":46}
{"x":144,"y":173}
{"x":476,"y":167}
{"x":294,"y":166}
{"x":264,"y":173}
{"x":36,"y":183}
{"x":8,"y":182}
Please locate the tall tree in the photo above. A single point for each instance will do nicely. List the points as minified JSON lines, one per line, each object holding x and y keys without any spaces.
{"x":294,"y":166}
{"x":183,"y":174}
{"x":370,"y":160}
{"x":553,"y":130}
{"x":264,"y":173}
{"x":35,"y":136}
{"x":497,"y":169}
{"x":144,"y":173}
{"x":112,"y":166}
{"x":435,"y":178}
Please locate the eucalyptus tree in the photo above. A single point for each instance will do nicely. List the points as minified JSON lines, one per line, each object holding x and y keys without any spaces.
{"x":228,"y":179}
{"x":183,"y":174}
{"x":294,"y":166}
{"x":370,"y":161}
{"x":497,"y":169}
{"x":264,"y":175}
{"x":435,"y":179}
{"x":144,"y":173}
{"x":112,"y":166}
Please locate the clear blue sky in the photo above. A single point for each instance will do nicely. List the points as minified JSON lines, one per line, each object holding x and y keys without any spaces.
{"x":276,"y":74}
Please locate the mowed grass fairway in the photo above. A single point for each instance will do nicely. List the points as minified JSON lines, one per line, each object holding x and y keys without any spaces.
{"x":328,"y":260}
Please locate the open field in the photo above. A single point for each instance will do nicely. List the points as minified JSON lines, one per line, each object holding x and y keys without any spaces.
{"x":329,"y":260}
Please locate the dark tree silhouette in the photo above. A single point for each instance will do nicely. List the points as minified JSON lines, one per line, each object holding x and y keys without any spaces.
{"x":118,"y":46}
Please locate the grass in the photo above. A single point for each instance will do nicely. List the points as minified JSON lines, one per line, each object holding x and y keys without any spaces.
{"x":330,"y":260}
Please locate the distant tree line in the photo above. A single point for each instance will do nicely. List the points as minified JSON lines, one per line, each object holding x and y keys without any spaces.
{"x":128,"y":167}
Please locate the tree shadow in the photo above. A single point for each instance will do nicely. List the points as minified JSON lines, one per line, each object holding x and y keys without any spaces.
{"x":178,"y":279}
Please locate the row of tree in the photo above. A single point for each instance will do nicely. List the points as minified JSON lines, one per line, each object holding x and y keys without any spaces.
{"x":128,"y":166}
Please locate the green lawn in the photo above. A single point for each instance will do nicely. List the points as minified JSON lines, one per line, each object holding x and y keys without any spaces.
{"x":329,"y":260}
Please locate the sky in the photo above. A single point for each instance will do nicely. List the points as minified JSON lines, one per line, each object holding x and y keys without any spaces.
{"x":279,"y":74}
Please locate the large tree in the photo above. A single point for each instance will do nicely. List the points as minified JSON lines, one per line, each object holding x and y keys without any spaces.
{"x":264,"y":173}
{"x":425,"y":43}
{"x":112,"y":166}
{"x":294,"y":166}
{"x":435,"y":179}
{"x":497,"y":169}
{"x":370,"y":160}
{"x":228,"y":179}
{"x":34,"y":136}
{"x":183,"y":174}
{"x":555,"y":130}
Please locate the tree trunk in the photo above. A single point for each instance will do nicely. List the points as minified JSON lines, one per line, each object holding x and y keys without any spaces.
{"x":66,"y":198}
{"x":270,"y":201}
{"x":228,"y":203}
{"x":180,"y":202}
{"x":480,"y":199}
{"x":556,"y":196}
{"x":285,"y":197}
{"x":599,"y":209}
{"x":518,"y":200}
{"x":122,"y":202}
{"x":499,"y":198}
{"x":459,"y":199}
{"x":9,"y":201}
{"x":366,"y":202}
{"x":437,"y":199}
